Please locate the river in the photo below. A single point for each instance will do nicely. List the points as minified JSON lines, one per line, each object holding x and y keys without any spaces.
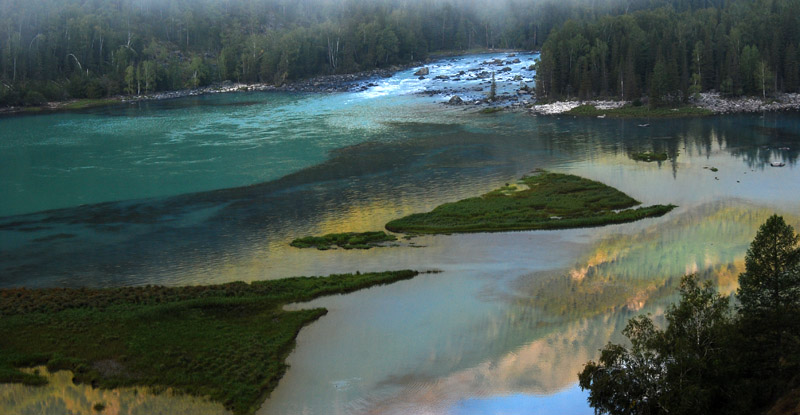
{"x":211,"y":189}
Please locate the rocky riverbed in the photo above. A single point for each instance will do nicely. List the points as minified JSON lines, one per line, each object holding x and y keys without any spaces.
{"x":467,"y":81}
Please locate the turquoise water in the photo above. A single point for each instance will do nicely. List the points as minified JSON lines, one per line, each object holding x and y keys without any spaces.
{"x":157,"y":149}
{"x":212,"y":189}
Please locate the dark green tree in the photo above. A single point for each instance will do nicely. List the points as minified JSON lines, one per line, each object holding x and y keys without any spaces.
{"x":769,"y":294}
{"x":677,"y":370}
{"x":659,"y":84}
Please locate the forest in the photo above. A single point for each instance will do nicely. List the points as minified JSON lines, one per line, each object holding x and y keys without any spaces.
{"x":53,"y":50}
{"x":666,"y":50}
{"x":671,"y":53}
{"x":60,"y":49}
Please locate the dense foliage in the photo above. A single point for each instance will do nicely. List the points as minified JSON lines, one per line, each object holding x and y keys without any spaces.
{"x":225,"y":341}
{"x":708,"y":360}
{"x":675,"y":50}
{"x":57,"y":49}
{"x":542,"y":201}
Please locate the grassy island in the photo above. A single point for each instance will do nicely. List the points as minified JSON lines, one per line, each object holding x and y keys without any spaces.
{"x":347,"y":240}
{"x":642,"y":111}
{"x":542,"y":201}
{"x":649,"y":156}
{"x":228,"y":341}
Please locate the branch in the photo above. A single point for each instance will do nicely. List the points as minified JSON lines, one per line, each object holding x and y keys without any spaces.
{"x":76,"y":60}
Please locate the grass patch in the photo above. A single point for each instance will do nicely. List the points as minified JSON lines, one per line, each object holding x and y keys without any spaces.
{"x":643,"y":111}
{"x":542,"y":201}
{"x":88,"y":103}
{"x":347,"y":240}
{"x":649,"y":156}
{"x":228,"y":341}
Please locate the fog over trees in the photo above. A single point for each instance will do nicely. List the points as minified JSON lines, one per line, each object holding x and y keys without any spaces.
{"x":62,"y":49}
{"x":58,"y":49}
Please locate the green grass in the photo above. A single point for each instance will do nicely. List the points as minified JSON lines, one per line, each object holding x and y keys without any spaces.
{"x":228,"y":342}
{"x":88,"y":103}
{"x":643,"y":111}
{"x":542,"y":201}
{"x":347,"y":240}
{"x":649,"y":156}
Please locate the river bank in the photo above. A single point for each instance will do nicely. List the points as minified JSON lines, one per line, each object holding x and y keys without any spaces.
{"x":358,"y":81}
{"x":322,"y":83}
{"x":710,"y":102}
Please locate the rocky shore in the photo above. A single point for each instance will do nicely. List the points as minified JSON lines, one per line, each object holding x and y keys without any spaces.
{"x":468,"y":87}
{"x":720,"y":105}
{"x":560,"y":107}
{"x":712,"y":101}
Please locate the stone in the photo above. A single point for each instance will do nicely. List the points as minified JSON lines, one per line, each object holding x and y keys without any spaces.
{"x":422,"y":72}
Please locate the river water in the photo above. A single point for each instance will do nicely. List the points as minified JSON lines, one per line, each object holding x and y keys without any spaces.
{"x":211,"y":189}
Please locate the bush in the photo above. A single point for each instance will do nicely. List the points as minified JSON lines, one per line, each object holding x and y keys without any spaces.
{"x":34,"y":98}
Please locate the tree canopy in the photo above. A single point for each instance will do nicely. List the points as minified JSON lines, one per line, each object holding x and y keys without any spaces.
{"x":58,"y":49}
{"x":674,"y":49}
{"x":709,"y":360}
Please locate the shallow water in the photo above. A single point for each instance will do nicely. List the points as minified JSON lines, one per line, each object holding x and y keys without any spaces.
{"x":510,"y":321}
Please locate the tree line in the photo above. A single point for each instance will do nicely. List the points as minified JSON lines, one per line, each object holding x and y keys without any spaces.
{"x":673,"y":51}
{"x":59,"y":49}
{"x":712,"y":358}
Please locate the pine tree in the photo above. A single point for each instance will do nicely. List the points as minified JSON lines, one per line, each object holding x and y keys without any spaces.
{"x":769,"y":290}
{"x":659,"y":84}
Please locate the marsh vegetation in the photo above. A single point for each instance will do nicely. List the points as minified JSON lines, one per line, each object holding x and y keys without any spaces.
{"x":227,"y":341}
{"x":544,"y":200}
{"x":346,"y":240}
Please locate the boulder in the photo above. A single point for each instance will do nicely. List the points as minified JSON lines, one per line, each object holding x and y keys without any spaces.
{"x":421,"y":78}
{"x":422,"y":72}
{"x":455,"y":100}
{"x":506,"y":69}
{"x":441,"y":77}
